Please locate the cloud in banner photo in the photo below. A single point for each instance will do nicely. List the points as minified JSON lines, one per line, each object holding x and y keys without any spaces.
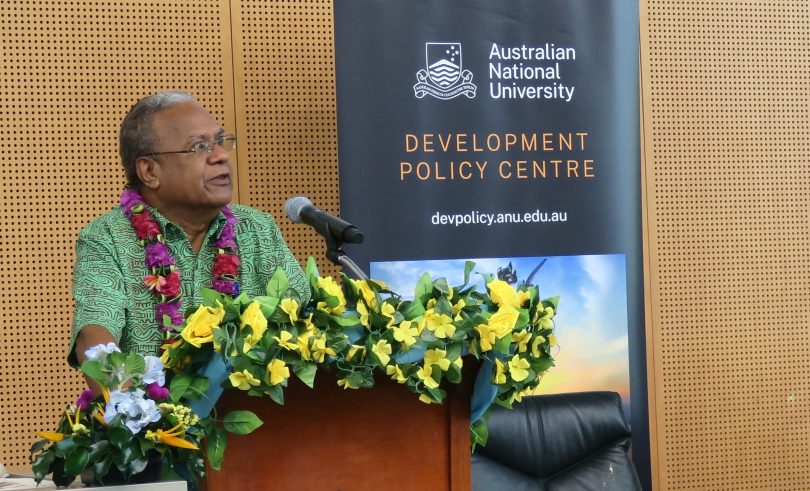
{"x":591,"y":324}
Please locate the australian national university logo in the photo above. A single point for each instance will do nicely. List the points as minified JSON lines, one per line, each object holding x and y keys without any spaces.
{"x":443,"y":76}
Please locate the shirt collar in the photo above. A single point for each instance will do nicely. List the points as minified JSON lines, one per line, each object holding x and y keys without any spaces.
{"x":174,"y":231}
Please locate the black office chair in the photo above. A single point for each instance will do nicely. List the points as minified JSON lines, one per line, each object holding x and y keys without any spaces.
{"x":561,"y":442}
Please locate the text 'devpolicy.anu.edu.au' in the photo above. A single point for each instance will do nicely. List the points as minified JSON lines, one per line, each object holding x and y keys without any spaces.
{"x":476,"y":217}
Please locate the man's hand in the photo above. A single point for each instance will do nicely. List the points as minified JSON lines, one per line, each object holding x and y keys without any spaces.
{"x":92,"y":335}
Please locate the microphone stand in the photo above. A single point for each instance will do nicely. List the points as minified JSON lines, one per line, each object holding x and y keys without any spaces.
{"x":334,"y":253}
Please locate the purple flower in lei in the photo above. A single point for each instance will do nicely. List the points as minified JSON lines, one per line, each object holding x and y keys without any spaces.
{"x":226,"y":246}
{"x":227,"y":238}
{"x":129,"y":199}
{"x":172,"y":309}
{"x":227,"y":287}
{"x":157,"y":255}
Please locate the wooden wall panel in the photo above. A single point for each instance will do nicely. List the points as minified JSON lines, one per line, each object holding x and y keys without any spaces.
{"x":285,"y":101}
{"x":70,"y":72}
{"x":725,"y":89}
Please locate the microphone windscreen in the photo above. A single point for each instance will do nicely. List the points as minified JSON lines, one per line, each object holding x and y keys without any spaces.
{"x":294,"y":206}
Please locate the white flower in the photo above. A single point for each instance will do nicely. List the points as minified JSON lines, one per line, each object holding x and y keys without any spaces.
{"x":154,"y":371}
{"x":136,"y":410}
{"x":100,"y":351}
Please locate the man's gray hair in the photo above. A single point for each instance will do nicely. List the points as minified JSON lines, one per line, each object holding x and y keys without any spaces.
{"x":136,"y":138}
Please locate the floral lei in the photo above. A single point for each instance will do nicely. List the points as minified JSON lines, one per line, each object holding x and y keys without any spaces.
{"x":163,"y":279}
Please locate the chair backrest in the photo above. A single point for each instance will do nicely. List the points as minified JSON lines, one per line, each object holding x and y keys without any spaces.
{"x":561,"y":442}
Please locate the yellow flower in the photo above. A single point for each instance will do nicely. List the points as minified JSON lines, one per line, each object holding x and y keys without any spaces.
{"x":363,"y":311}
{"x":253,"y":317}
{"x":76,"y":416}
{"x":517,"y":368}
{"x":522,"y":339}
{"x":552,"y":340}
{"x":331,"y":288}
{"x":517,"y":396}
{"x":388,"y":311}
{"x":173,"y":437}
{"x":79,"y":429}
{"x":382,"y":349}
{"x":426,"y":399}
{"x":536,"y":342}
{"x":182,"y":413}
{"x":277,"y":371}
{"x":354,"y":349}
{"x":396,"y":373}
{"x":98,"y":413}
{"x":458,"y":306}
{"x":51,"y":435}
{"x":544,"y":318}
{"x":459,"y":362}
{"x":308,"y":323}
{"x":320,"y":350}
{"x":200,"y":325}
{"x":164,"y":357}
{"x":487,"y":335}
{"x":439,"y":324}
{"x":283,"y":340}
{"x":503,"y":321}
{"x":503,"y":294}
{"x":420,"y":325}
{"x":303,"y":344}
{"x":500,"y":372}
{"x":366,"y":292}
{"x":437,"y":357}
{"x":346,"y":384}
{"x":424,"y":375}
{"x":405,"y":333}
{"x":243,"y":380}
{"x":290,"y":306}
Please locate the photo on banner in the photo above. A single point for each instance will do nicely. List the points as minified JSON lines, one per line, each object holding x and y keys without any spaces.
{"x":591,"y":322}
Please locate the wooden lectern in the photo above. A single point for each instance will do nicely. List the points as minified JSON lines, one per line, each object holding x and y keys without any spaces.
{"x":330,"y":439}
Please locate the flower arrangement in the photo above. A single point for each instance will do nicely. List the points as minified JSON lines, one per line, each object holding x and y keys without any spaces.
{"x":362,"y":328}
{"x":354,"y":330}
{"x":135,"y":420}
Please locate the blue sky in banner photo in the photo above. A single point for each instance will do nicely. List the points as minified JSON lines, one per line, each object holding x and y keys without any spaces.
{"x":591,"y":324}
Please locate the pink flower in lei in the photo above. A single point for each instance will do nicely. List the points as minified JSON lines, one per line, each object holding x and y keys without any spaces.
{"x":163,"y":279}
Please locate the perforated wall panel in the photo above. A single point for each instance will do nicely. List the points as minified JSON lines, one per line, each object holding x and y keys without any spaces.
{"x":727,"y":147}
{"x":285,"y":89}
{"x":70,"y":71}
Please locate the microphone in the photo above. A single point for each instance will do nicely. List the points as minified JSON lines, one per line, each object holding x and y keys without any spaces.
{"x":301,"y":210}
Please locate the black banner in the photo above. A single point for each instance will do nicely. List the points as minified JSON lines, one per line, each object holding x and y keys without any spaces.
{"x":505,"y":132}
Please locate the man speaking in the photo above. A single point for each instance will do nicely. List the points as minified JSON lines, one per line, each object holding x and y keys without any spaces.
{"x":139,"y":266}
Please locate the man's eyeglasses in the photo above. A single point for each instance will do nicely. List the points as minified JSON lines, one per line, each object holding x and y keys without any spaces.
{"x":228,"y":142}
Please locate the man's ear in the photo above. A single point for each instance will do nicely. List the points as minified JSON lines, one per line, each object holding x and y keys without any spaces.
{"x":146,"y":168}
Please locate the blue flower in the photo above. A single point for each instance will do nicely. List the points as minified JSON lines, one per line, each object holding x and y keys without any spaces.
{"x":100,"y":351}
{"x":136,"y":410}
{"x":154,"y":371}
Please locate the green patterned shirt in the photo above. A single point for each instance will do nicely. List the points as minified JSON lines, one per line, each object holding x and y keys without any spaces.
{"x":108,"y":287}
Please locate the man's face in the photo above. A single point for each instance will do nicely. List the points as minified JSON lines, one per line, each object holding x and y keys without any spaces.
{"x":189,"y":181}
